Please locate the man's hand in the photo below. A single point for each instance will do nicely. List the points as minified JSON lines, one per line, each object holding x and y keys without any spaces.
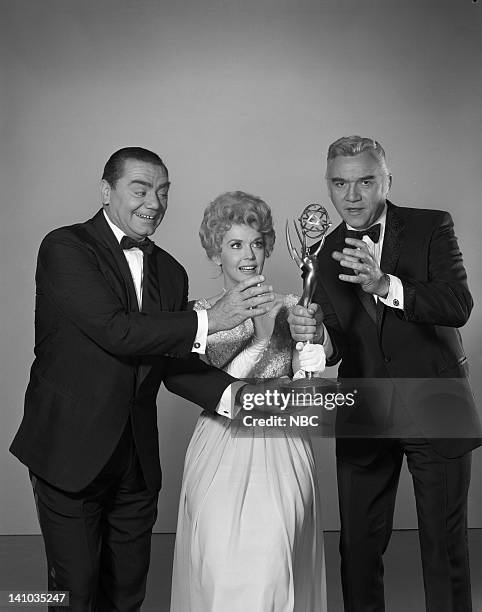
{"x":267,"y":394}
{"x":367,"y":272}
{"x":248,"y":299}
{"x":305,"y":323}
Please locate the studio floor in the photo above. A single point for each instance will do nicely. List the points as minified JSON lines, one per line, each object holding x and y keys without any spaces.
{"x":22,"y":568}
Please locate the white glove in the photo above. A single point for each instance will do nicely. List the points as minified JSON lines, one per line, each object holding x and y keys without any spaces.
{"x":312,"y":357}
{"x":242,"y":365}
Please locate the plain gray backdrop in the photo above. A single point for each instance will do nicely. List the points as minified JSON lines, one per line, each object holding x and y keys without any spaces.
{"x":233,"y":94}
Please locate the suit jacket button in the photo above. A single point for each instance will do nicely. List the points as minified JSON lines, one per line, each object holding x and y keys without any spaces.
{"x":396,"y":303}
{"x":197,"y":345}
{"x":387,"y":359}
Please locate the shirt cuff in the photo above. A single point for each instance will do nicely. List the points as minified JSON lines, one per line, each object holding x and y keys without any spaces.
{"x":226,"y":406}
{"x":199,"y":345}
{"x":394,"y":298}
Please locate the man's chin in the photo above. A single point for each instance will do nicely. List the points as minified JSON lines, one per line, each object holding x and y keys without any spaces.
{"x":145,"y":232}
{"x":356,"y":222}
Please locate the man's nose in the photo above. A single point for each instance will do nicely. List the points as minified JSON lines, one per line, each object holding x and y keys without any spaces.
{"x":153,"y":201}
{"x":352,"y":194}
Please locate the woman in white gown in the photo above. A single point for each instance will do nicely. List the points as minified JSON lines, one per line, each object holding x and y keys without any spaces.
{"x":249,"y":535}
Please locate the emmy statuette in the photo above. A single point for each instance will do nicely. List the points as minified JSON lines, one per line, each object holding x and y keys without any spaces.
{"x":311,"y":227}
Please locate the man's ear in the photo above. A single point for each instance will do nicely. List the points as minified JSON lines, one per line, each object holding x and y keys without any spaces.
{"x":105,"y":193}
{"x":390,"y":179}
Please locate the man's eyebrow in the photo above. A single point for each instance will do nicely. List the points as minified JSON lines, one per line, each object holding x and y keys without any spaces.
{"x":339,"y":179}
{"x":140,"y":182}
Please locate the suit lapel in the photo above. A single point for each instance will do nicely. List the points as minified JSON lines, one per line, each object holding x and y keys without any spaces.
{"x":365,"y":299}
{"x":116,"y":258}
{"x":151,"y":296}
{"x":392,"y":243}
{"x":118,"y":267}
{"x":391,"y":250}
{"x":151,"y":303}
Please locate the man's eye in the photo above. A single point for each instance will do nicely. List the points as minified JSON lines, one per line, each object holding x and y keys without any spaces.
{"x":366,"y":183}
{"x":140,"y":194}
{"x":235,"y":245}
{"x":339,"y":184}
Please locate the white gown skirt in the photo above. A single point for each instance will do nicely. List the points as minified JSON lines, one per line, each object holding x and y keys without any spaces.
{"x":249,"y":535}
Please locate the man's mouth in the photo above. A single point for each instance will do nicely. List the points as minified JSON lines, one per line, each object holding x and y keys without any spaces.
{"x":148,"y":217}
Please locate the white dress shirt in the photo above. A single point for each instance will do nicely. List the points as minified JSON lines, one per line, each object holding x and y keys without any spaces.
{"x":394,"y":298}
{"x":135,"y":259}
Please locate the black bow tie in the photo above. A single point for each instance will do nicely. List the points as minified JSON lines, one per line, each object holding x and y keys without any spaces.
{"x":146,"y":245}
{"x":372,"y":232}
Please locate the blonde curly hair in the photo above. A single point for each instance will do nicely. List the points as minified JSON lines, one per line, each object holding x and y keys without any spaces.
{"x":235,"y":208}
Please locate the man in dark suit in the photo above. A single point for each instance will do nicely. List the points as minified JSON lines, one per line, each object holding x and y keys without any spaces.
{"x":391,"y":314}
{"x":110,"y":325}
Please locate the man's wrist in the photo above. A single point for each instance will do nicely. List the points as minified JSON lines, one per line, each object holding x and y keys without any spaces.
{"x":246,"y":389}
{"x":319,"y":334}
{"x":385,"y":287}
{"x":212,"y":322}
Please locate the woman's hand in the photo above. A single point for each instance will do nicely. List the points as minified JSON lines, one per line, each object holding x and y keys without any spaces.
{"x":264,"y":324}
{"x":312,"y":357}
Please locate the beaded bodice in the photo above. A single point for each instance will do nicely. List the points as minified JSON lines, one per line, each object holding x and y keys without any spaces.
{"x":223,"y":346}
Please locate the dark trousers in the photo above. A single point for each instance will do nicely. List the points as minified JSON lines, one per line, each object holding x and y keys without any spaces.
{"x":367,"y":501}
{"x":98,"y":540}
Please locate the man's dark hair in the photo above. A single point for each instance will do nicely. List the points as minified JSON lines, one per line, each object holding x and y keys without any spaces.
{"x":114,"y":168}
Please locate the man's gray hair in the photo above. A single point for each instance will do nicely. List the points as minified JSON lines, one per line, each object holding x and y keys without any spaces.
{"x":348,"y":146}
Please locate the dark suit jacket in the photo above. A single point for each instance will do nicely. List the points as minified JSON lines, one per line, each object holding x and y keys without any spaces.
{"x":99,"y":360}
{"x":420,"y":343}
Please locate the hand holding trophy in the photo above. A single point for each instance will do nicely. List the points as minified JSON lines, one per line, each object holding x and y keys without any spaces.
{"x":313,"y":225}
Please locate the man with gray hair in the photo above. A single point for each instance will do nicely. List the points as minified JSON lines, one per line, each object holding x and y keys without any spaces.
{"x":391,"y":312}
